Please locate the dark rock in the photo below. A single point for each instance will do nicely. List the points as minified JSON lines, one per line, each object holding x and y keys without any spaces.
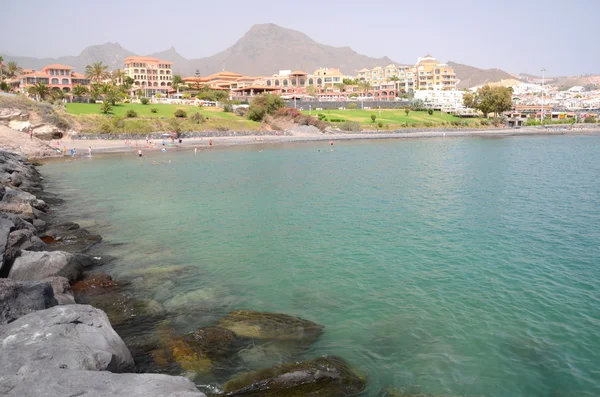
{"x":25,"y":239}
{"x":18,"y":298}
{"x":39,"y":224}
{"x":70,"y":237}
{"x":71,"y":383}
{"x":19,"y":222}
{"x":71,"y":337}
{"x":7,"y":253}
{"x":32,"y":265}
{"x":94,"y":283}
{"x":271,"y":326}
{"x":322,"y":377}
{"x":62,"y":290}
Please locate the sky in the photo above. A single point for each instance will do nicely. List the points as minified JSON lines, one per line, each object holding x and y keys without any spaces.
{"x":516,"y":36}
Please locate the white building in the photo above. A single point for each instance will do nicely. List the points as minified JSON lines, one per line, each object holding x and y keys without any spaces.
{"x":441,"y":99}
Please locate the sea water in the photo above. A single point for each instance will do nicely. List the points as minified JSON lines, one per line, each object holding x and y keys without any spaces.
{"x":444,"y":266}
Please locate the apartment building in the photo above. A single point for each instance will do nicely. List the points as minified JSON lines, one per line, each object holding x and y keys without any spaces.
{"x":55,"y":76}
{"x":151,"y":75}
{"x":427,"y":74}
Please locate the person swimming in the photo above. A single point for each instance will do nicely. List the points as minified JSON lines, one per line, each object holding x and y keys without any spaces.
{"x":140,"y":154}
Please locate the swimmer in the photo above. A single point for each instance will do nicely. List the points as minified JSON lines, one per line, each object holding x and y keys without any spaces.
{"x":163,"y":150}
{"x":140,"y":153}
{"x":195,"y":150}
{"x":154,"y":162}
{"x":90,"y":151}
{"x":331,"y":142}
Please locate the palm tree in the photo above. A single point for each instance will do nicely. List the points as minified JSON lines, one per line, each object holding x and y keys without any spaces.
{"x":118,"y":76}
{"x":365,"y":86}
{"x":13,"y":70}
{"x":40,"y":90}
{"x":177,"y":81}
{"x":341,"y":86}
{"x":96,"y":71}
{"x":80,"y":91}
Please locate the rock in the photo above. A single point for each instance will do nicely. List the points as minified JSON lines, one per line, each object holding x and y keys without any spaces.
{"x":271,"y":326}
{"x":71,"y":337}
{"x":7,"y":252}
{"x":10,"y":114}
{"x":32,"y":265}
{"x":18,"y":298}
{"x":94,"y":283}
{"x":322,"y":377}
{"x":25,"y":239}
{"x":62,"y":290}
{"x":47,"y":132}
{"x":39,"y":224}
{"x":19,"y":222}
{"x":70,"y":237}
{"x":15,"y":196}
{"x":24,"y":210}
{"x":70,"y":383}
{"x":197,"y":351}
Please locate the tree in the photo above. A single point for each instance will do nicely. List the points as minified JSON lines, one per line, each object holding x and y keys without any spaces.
{"x":40,"y":90}
{"x":95,"y":92}
{"x":490,"y":100}
{"x":13,"y":70}
{"x":263,"y":105}
{"x":311,"y":90}
{"x":105,"y":107}
{"x":80,"y":91}
{"x":177,"y":82}
{"x":117,"y":76}
{"x":406,"y":111}
{"x":96,"y":72}
{"x":341,"y":86}
{"x":111,"y":93}
{"x":373,"y":118}
{"x":57,"y":94}
{"x":364,"y":86}
{"x":351,"y":81}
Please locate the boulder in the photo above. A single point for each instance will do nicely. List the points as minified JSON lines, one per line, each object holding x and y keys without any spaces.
{"x":19,"y":222}
{"x":70,"y":237}
{"x":18,"y":298}
{"x":23,"y":210}
{"x":68,"y":383}
{"x":25,"y":239}
{"x":39,"y":225}
{"x":70,"y":337}
{"x":10,"y":114}
{"x":31,"y":265}
{"x":16,"y":196}
{"x":7,"y":253}
{"x":271,"y":326}
{"x":62,"y":290}
{"x":322,"y":377}
{"x":47,"y":132}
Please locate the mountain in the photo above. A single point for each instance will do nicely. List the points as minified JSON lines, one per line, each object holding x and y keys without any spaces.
{"x":111,"y":54}
{"x":471,"y":76}
{"x":263,"y":50}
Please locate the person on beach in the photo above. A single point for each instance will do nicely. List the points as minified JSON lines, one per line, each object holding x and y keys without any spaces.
{"x":163,"y":142}
{"x":140,"y":154}
{"x":163,"y":149}
{"x":64,"y":150}
{"x":72,"y":152}
{"x":90,"y":151}
{"x":210,"y":143}
{"x":195,"y":150}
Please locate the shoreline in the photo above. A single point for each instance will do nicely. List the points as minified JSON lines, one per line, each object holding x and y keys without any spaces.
{"x":118,"y":145}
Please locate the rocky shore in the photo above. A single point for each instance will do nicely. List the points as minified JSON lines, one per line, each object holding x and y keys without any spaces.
{"x":53,"y":344}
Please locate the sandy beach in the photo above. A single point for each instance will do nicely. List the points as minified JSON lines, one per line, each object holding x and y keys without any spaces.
{"x":118,"y":145}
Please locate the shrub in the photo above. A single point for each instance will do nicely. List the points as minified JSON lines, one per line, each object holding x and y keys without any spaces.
{"x":197,"y":118}
{"x":263,"y":105}
{"x":180,"y":113}
{"x":241,"y":111}
{"x":380,"y":124}
{"x":144,"y":101}
{"x":466,"y":123}
{"x":321,"y":116}
{"x":221,"y":128}
{"x":430,"y":112}
{"x":352,"y":106}
{"x":428,"y":124}
{"x":589,"y":119}
{"x":353,"y":126}
{"x":373,"y":118}
{"x":257,"y":113}
{"x":496,"y":122}
{"x":404,"y":125}
{"x":287,"y":113}
{"x":308,"y":120}
{"x":406,"y":111}
{"x":105,"y":107}
{"x":228,"y":108}
{"x":484,"y":123}
{"x":154,"y":110}
{"x":126,"y":101}
{"x":131,"y":113}
{"x":337,"y":120}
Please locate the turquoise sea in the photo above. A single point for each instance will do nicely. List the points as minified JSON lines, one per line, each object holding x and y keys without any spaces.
{"x":456,"y":267}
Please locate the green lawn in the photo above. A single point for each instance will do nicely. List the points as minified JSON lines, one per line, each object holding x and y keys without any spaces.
{"x":392,"y":117}
{"x":164,"y":110}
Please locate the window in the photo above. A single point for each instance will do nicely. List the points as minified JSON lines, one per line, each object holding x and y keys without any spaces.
{"x":54,"y":81}
{"x":285,"y":83}
{"x":65,"y":81}
{"x":276,"y":82}
{"x":310,"y":82}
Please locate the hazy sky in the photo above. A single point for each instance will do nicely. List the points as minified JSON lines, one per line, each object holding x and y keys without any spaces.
{"x":517,"y":36}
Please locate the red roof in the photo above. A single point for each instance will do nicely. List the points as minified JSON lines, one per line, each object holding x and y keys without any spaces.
{"x":57,"y":66}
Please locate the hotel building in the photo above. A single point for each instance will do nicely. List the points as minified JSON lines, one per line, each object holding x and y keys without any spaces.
{"x":151,"y":75}
{"x":55,"y":76}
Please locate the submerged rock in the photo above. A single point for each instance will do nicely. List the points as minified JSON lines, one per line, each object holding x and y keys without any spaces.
{"x":271,"y":326}
{"x":19,"y":298}
{"x":94,"y":283}
{"x":32,"y":265}
{"x":196,"y":352}
{"x":70,"y":383}
{"x":72,"y":337}
{"x":70,"y":237}
{"x":322,"y":377}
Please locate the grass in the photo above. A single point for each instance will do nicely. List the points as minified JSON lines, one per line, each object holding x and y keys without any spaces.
{"x":391,"y":117}
{"x":164,"y":110}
